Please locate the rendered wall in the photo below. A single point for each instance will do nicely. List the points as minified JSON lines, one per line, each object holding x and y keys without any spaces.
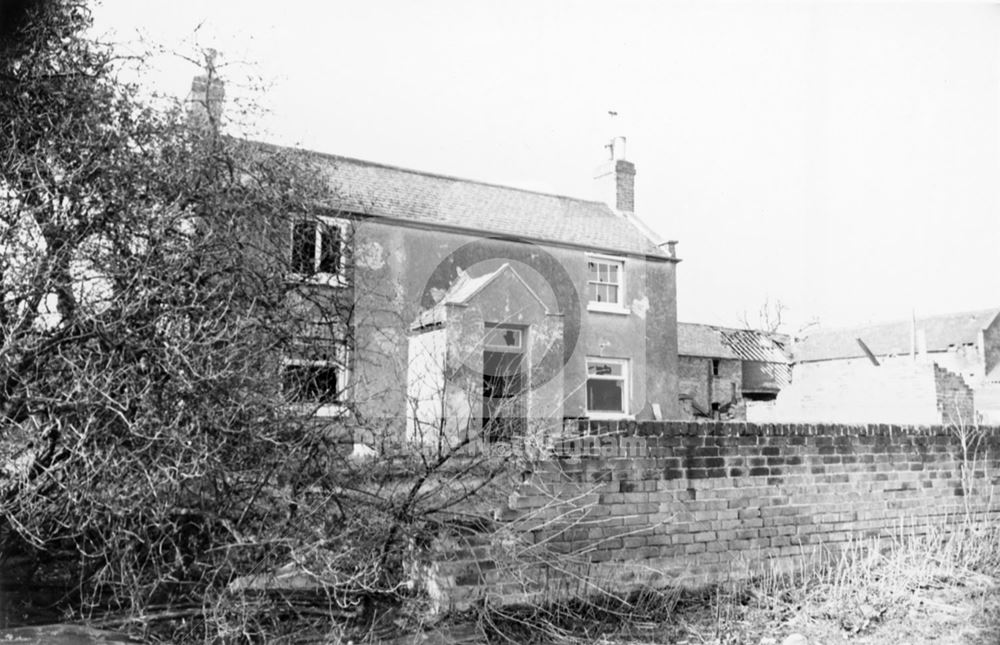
{"x":399,"y":270}
{"x":425,"y":385}
{"x":991,"y":346}
{"x":856,"y":391}
{"x":677,"y":503}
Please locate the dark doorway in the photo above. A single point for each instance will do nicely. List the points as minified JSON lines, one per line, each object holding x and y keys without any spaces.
{"x":504,"y":381}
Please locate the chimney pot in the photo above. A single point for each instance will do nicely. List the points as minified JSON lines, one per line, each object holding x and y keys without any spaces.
{"x":617,"y":146}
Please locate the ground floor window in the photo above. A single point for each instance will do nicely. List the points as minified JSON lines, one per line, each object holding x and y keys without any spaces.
{"x":315,"y":375}
{"x":607,"y":386}
{"x":311,"y":382}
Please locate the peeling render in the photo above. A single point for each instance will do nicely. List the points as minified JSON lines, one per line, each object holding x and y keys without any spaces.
{"x":640,"y":306}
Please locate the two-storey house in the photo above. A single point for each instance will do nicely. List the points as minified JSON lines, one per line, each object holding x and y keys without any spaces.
{"x":479,"y":306}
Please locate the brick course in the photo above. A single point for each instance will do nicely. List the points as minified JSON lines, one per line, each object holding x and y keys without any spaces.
{"x":661,"y":503}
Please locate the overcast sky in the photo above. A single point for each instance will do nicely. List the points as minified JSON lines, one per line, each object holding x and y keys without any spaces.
{"x":839,"y":157}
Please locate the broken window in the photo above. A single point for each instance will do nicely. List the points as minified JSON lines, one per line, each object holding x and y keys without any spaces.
{"x":311,"y":382}
{"x":503,"y":338}
{"x":316,"y":247}
{"x":315,"y":374}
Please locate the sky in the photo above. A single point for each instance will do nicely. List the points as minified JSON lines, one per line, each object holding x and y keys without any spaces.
{"x":839,"y":158}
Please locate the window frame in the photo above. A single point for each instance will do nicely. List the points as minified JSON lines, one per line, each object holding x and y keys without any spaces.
{"x":518,"y":330}
{"x":626,"y":380}
{"x":340,"y":364}
{"x":617,"y":307}
{"x":320,"y":222}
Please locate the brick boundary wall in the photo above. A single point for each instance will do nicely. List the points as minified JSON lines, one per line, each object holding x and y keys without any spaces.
{"x":624,"y":505}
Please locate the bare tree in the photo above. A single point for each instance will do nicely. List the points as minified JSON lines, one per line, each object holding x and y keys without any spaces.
{"x":769,"y":316}
{"x":152,"y":452}
{"x":772,"y":318}
{"x":162,"y":465}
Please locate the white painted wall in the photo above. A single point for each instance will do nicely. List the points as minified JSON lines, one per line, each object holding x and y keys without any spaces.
{"x":425,"y":385}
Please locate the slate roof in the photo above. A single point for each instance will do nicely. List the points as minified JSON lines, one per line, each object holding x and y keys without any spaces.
{"x":722,"y":342}
{"x":702,"y":340}
{"x":409,"y":195}
{"x":888,"y":339}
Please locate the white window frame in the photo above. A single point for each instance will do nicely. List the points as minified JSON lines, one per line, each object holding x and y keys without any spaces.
{"x":607,"y":307}
{"x":337,"y":279}
{"x":625,"y":378}
{"x":519,"y":332}
{"x":315,"y":408}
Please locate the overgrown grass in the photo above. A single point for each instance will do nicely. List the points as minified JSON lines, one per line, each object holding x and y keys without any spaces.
{"x":855,"y":589}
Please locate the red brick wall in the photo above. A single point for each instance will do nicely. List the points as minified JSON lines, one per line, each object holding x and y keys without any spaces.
{"x":658,"y":503}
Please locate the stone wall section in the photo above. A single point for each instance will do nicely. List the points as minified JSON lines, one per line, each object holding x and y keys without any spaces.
{"x":698,"y":380}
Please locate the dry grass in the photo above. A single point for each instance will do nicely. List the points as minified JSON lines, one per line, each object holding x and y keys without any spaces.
{"x":930,"y":585}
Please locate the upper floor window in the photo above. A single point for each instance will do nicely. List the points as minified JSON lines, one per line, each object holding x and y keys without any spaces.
{"x":606,"y":284}
{"x":317,"y":248}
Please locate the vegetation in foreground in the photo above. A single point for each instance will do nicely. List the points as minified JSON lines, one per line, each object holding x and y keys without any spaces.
{"x":935,"y":587}
{"x":160,"y":464}
{"x":151,"y":472}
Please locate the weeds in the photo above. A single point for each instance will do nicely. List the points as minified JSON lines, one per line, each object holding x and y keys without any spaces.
{"x":855,"y":590}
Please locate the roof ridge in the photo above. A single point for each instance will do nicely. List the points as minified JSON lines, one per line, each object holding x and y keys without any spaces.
{"x":594,"y":225}
{"x":906,"y":321}
{"x":437,"y":175}
{"x":724,"y":327}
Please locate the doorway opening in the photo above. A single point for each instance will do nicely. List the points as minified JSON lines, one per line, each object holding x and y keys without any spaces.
{"x":504,"y":383}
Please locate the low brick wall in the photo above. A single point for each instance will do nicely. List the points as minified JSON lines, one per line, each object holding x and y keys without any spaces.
{"x":684,"y":503}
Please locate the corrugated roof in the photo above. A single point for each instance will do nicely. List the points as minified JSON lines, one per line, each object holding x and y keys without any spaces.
{"x":940,"y":332}
{"x":722,"y":342}
{"x":408,"y":195}
{"x":753,"y":345}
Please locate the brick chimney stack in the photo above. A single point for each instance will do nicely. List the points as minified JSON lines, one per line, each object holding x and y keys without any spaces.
{"x":208,"y":93}
{"x":616,"y":178}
